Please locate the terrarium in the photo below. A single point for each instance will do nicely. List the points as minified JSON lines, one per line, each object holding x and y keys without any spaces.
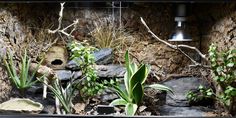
{"x":131,"y":58}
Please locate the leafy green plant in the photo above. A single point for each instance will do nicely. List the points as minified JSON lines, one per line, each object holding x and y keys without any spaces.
{"x":223,"y":65}
{"x":82,"y":53}
{"x":134,"y":80}
{"x":202,"y":94}
{"x":22,"y":79}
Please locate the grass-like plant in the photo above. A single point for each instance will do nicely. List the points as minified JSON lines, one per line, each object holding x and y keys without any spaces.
{"x":108,"y":35}
{"x":134,"y":80}
{"x":22,"y":79}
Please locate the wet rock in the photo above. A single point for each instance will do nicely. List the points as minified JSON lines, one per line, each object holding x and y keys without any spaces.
{"x":184,"y":111}
{"x":63,"y":74}
{"x":181,"y":86}
{"x":110,"y":71}
{"x":102,"y":57}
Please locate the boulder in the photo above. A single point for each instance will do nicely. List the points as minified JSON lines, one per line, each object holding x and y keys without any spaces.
{"x":102,"y":57}
{"x":181,"y":86}
{"x":21,"y":105}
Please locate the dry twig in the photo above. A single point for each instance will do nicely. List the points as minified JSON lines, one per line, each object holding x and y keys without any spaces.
{"x":178,"y":47}
{"x":63,"y":30}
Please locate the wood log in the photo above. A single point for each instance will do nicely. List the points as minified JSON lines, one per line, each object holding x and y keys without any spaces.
{"x":43,"y":70}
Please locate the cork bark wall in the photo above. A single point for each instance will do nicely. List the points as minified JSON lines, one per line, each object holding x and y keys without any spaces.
{"x":208,"y":23}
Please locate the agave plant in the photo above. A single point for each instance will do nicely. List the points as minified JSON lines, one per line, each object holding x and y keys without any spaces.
{"x":134,"y":80}
{"x":22,"y":79}
{"x":64,"y":95}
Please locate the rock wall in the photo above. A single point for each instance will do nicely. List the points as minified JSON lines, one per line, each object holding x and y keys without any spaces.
{"x":217,"y":25}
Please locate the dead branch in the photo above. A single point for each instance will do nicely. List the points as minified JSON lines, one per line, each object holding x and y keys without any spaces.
{"x":63,"y":30}
{"x":178,"y":47}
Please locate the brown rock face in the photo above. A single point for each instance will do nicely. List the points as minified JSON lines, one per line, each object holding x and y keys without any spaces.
{"x":5,"y":88}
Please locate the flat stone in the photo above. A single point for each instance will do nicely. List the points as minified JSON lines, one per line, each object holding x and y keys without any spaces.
{"x":110,"y":71}
{"x":102,"y":57}
{"x":181,"y":86}
{"x":77,"y":74}
{"x":63,"y":74}
{"x":184,"y":111}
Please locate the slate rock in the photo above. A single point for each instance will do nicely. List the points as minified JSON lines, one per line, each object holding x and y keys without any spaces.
{"x":63,"y":74}
{"x":102,"y":57}
{"x":181,"y":86}
{"x":167,"y":110}
{"x":35,"y":89}
{"x":110,"y":71}
{"x":77,"y":74}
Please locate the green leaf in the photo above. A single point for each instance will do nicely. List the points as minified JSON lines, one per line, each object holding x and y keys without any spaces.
{"x":139,"y":76}
{"x":118,"y":102}
{"x":216,"y":78}
{"x":130,"y":109}
{"x":219,"y":69}
{"x":209,"y":93}
{"x":230,"y":65}
{"x":122,"y":94}
{"x":126,"y":81}
{"x":222,"y":79}
{"x":127,"y":64}
{"x":138,"y":93}
{"x":134,"y":67}
{"x":233,"y":51}
{"x":160,"y":87}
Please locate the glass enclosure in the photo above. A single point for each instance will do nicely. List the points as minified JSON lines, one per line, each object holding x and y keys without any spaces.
{"x":118,"y":58}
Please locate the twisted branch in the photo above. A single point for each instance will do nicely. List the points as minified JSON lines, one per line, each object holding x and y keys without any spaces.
{"x":178,"y":47}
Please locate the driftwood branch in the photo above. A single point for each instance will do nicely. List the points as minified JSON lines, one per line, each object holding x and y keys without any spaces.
{"x":178,"y":47}
{"x":63,"y":30}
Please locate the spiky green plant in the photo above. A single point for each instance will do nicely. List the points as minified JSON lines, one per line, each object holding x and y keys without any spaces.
{"x":22,"y":79}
